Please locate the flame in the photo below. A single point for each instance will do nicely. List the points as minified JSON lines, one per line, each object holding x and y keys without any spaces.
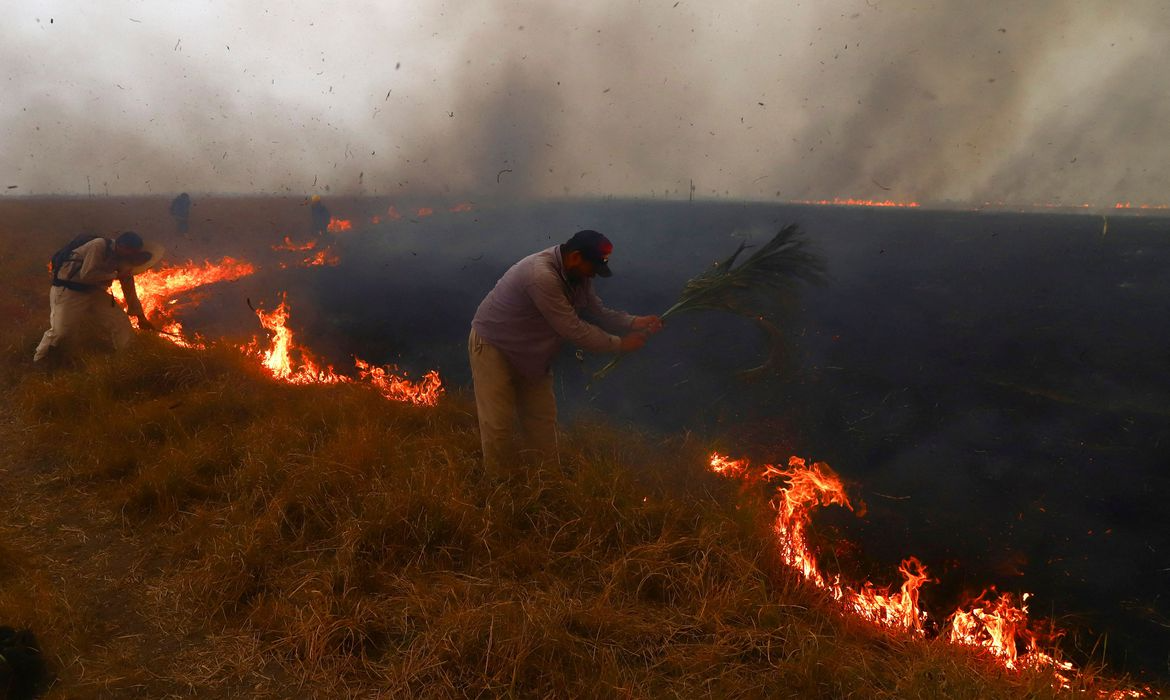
{"x":425,"y":392}
{"x":289,"y":362}
{"x":338,"y":225}
{"x":325,"y":256}
{"x":392,"y":213}
{"x":283,"y":358}
{"x":809,"y":486}
{"x":849,"y":202}
{"x":730,"y":467}
{"x":1130,"y":205}
{"x":993,"y":622}
{"x":173,"y":331}
{"x":158,"y":289}
{"x":289,"y":245}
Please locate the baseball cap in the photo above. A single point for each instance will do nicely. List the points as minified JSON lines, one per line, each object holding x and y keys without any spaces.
{"x":594,"y":247}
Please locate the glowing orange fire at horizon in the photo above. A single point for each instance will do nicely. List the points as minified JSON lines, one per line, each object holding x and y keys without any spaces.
{"x":1130,"y":205}
{"x":339,"y":225}
{"x":849,"y":202}
{"x":1011,"y":206}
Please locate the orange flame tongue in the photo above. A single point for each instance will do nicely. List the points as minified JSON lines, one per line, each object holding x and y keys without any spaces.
{"x":424,"y":393}
{"x":338,"y":225}
{"x":294,"y":364}
{"x":994,"y":625}
{"x":325,"y":256}
{"x":899,"y":610}
{"x":809,"y":486}
{"x":289,"y":244}
{"x":279,"y":357}
{"x":157,"y":289}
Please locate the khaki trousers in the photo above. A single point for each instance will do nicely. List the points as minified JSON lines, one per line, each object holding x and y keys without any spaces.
{"x":71,"y":314}
{"x":503,"y":398}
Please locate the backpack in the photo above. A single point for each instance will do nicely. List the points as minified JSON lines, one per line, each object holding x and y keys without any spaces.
{"x":65,"y":255}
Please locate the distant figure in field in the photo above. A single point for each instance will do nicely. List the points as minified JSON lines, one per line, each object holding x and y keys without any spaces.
{"x":541,"y":301}
{"x":80,"y":297}
{"x":180,"y":211}
{"x":319,"y":214}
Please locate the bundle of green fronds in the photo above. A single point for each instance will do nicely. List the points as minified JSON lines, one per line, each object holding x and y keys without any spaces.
{"x":753,"y":289}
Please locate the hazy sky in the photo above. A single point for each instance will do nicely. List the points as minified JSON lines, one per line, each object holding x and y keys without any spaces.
{"x":956,"y":101}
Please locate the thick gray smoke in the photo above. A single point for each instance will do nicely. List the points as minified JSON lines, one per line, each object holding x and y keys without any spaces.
{"x":952,"y":101}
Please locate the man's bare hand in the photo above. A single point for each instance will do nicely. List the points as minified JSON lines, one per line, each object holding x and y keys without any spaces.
{"x":633,"y":341}
{"x":646,"y":324}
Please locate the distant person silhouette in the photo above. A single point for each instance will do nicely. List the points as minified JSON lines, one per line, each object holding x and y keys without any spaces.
{"x":319,"y":214}
{"x":180,"y":211}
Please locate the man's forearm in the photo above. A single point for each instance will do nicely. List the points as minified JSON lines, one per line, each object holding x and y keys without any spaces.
{"x":130,"y":293}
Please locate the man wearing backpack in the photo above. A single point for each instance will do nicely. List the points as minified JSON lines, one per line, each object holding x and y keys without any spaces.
{"x":82,"y":274}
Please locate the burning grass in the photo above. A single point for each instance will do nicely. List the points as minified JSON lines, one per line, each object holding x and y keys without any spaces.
{"x":183,"y":523}
{"x":320,"y":539}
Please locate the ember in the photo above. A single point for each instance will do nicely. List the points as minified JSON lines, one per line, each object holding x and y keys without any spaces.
{"x":290,"y":245}
{"x":338,"y":225}
{"x":325,"y":256}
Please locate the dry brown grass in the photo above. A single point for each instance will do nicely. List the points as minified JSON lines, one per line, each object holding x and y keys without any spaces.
{"x":182,"y":525}
{"x":323,"y":539}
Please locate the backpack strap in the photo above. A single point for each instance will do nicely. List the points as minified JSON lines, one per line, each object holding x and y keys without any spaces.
{"x":74,"y":286}
{"x":71,"y":257}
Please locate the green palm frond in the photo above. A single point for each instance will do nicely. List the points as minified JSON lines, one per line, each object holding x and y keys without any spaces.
{"x":767,"y":277}
{"x":773,"y":268}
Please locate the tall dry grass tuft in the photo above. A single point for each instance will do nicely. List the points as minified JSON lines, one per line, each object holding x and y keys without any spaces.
{"x":322,"y":538}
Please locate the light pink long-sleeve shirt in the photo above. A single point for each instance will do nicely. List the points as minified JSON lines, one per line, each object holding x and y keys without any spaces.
{"x":534,"y":308}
